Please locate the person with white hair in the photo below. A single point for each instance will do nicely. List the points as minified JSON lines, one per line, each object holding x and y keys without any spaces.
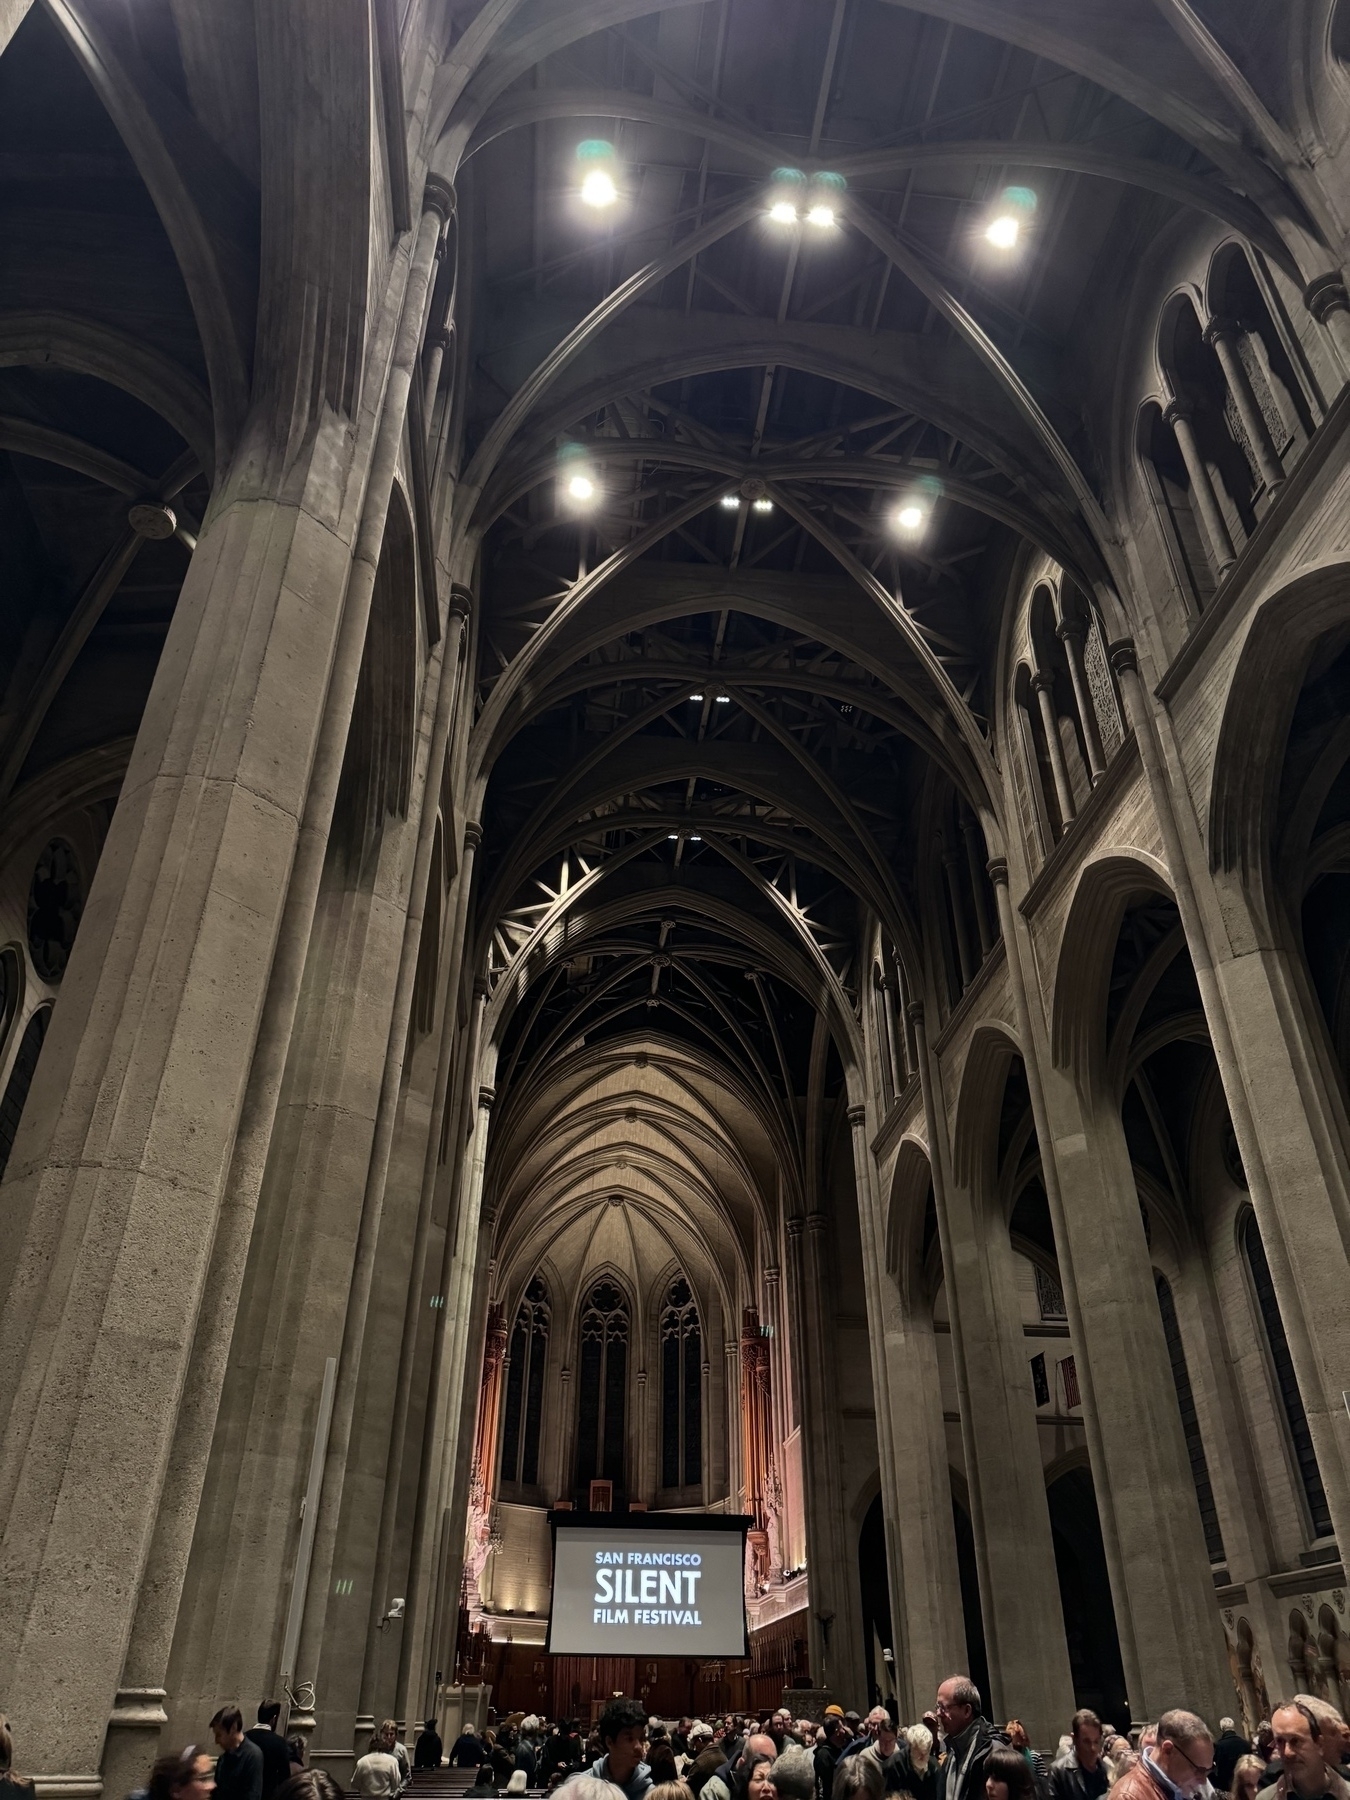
{"x":588,"y":1787}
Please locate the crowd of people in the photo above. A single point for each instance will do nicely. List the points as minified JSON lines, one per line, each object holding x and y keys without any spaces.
{"x":953,"y":1753}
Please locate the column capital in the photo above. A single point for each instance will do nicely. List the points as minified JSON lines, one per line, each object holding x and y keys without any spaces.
{"x":857,"y":1115}
{"x":997,"y":867}
{"x":487,"y":1094}
{"x":817,"y":1223}
{"x":914,"y":1012}
{"x":1325,"y":294}
{"x":1043,"y":682}
{"x":473,"y":834}
{"x":481,"y":990}
{"x":1123,"y":657}
{"x":461,"y":598}
{"x":642,"y":1378}
{"x":1072,"y":625}
{"x":793,"y":1227}
{"x":1221,"y":326}
{"x":1175,"y":410}
{"x":771,"y":1275}
{"x":439,"y":197}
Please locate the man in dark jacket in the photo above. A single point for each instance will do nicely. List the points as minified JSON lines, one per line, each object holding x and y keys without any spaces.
{"x":468,"y":1751}
{"x":239,"y":1767}
{"x":838,"y":1737}
{"x":1228,"y":1747}
{"x":427,"y":1753}
{"x":276,"y":1753}
{"x":967,"y":1735}
{"x":1083,"y":1776}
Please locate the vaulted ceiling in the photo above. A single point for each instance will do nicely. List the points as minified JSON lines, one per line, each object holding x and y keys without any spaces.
{"x":723,"y":706}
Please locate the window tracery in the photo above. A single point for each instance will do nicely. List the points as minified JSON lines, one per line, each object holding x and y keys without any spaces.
{"x":602,"y":1386}
{"x":681,"y":1388}
{"x":525,"y":1386}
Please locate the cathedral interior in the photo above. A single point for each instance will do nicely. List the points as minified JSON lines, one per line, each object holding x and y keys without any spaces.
{"x":674,"y":836}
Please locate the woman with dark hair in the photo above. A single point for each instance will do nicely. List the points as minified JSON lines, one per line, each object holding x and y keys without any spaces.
{"x":1007,"y":1775}
{"x":190,"y":1775}
{"x":661,"y":1762}
{"x":310,"y":1784}
{"x":755,"y":1781}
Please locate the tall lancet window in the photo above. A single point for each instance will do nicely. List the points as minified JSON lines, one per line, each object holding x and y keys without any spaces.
{"x":525,"y":1387}
{"x":681,"y":1389}
{"x":602,"y":1385}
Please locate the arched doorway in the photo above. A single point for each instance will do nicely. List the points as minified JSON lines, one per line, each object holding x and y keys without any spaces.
{"x":1085,"y":1594}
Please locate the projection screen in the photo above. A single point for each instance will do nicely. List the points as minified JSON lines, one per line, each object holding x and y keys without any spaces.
{"x":627,"y":1584}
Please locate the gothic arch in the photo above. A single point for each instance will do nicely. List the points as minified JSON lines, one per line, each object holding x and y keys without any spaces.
{"x":1082,"y":971}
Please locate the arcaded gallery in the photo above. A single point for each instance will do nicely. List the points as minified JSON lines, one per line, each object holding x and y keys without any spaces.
{"x":674,"y":859}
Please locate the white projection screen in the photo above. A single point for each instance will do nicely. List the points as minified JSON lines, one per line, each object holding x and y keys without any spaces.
{"x":632,"y":1585}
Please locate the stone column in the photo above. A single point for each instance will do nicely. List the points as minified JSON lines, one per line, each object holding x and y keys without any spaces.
{"x":459,"y":1261}
{"x":975,"y":859}
{"x":731,"y":1351}
{"x":1014,"y":1551}
{"x":1178,"y":416}
{"x":1286,"y":1112}
{"x":459,"y":611}
{"x":755,"y":1436}
{"x":1326,"y":299}
{"x":1043,"y":686}
{"x":835,"y":1628}
{"x":1071,"y":632}
{"x":1171,"y":1641}
{"x":916,"y":1503}
{"x":1224,"y":335}
{"x":121,"y":1177}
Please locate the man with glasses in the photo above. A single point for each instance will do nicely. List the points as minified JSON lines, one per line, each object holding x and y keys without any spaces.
{"x":966,"y":1735}
{"x":1176,"y":1765}
{"x":1308,"y":1745}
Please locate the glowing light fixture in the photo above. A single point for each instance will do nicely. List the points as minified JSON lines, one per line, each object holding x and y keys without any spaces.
{"x":577,"y":480}
{"x":787,"y":188}
{"x":822,"y":209}
{"x":722,"y":699}
{"x":599,"y":171}
{"x":795,"y":197}
{"x":731,"y":501}
{"x":762,"y":506}
{"x":910,"y":517}
{"x":694,"y":838}
{"x":598,"y":189}
{"x":695,"y":696}
{"x":1015,"y":210}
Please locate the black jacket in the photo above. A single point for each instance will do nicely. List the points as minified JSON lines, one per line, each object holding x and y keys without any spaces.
{"x":1070,"y":1781}
{"x":961,"y":1772}
{"x":239,"y":1772}
{"x":1228,"y":1747}
{"x":427,"y":1753}
{"x":276,"y":1757}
